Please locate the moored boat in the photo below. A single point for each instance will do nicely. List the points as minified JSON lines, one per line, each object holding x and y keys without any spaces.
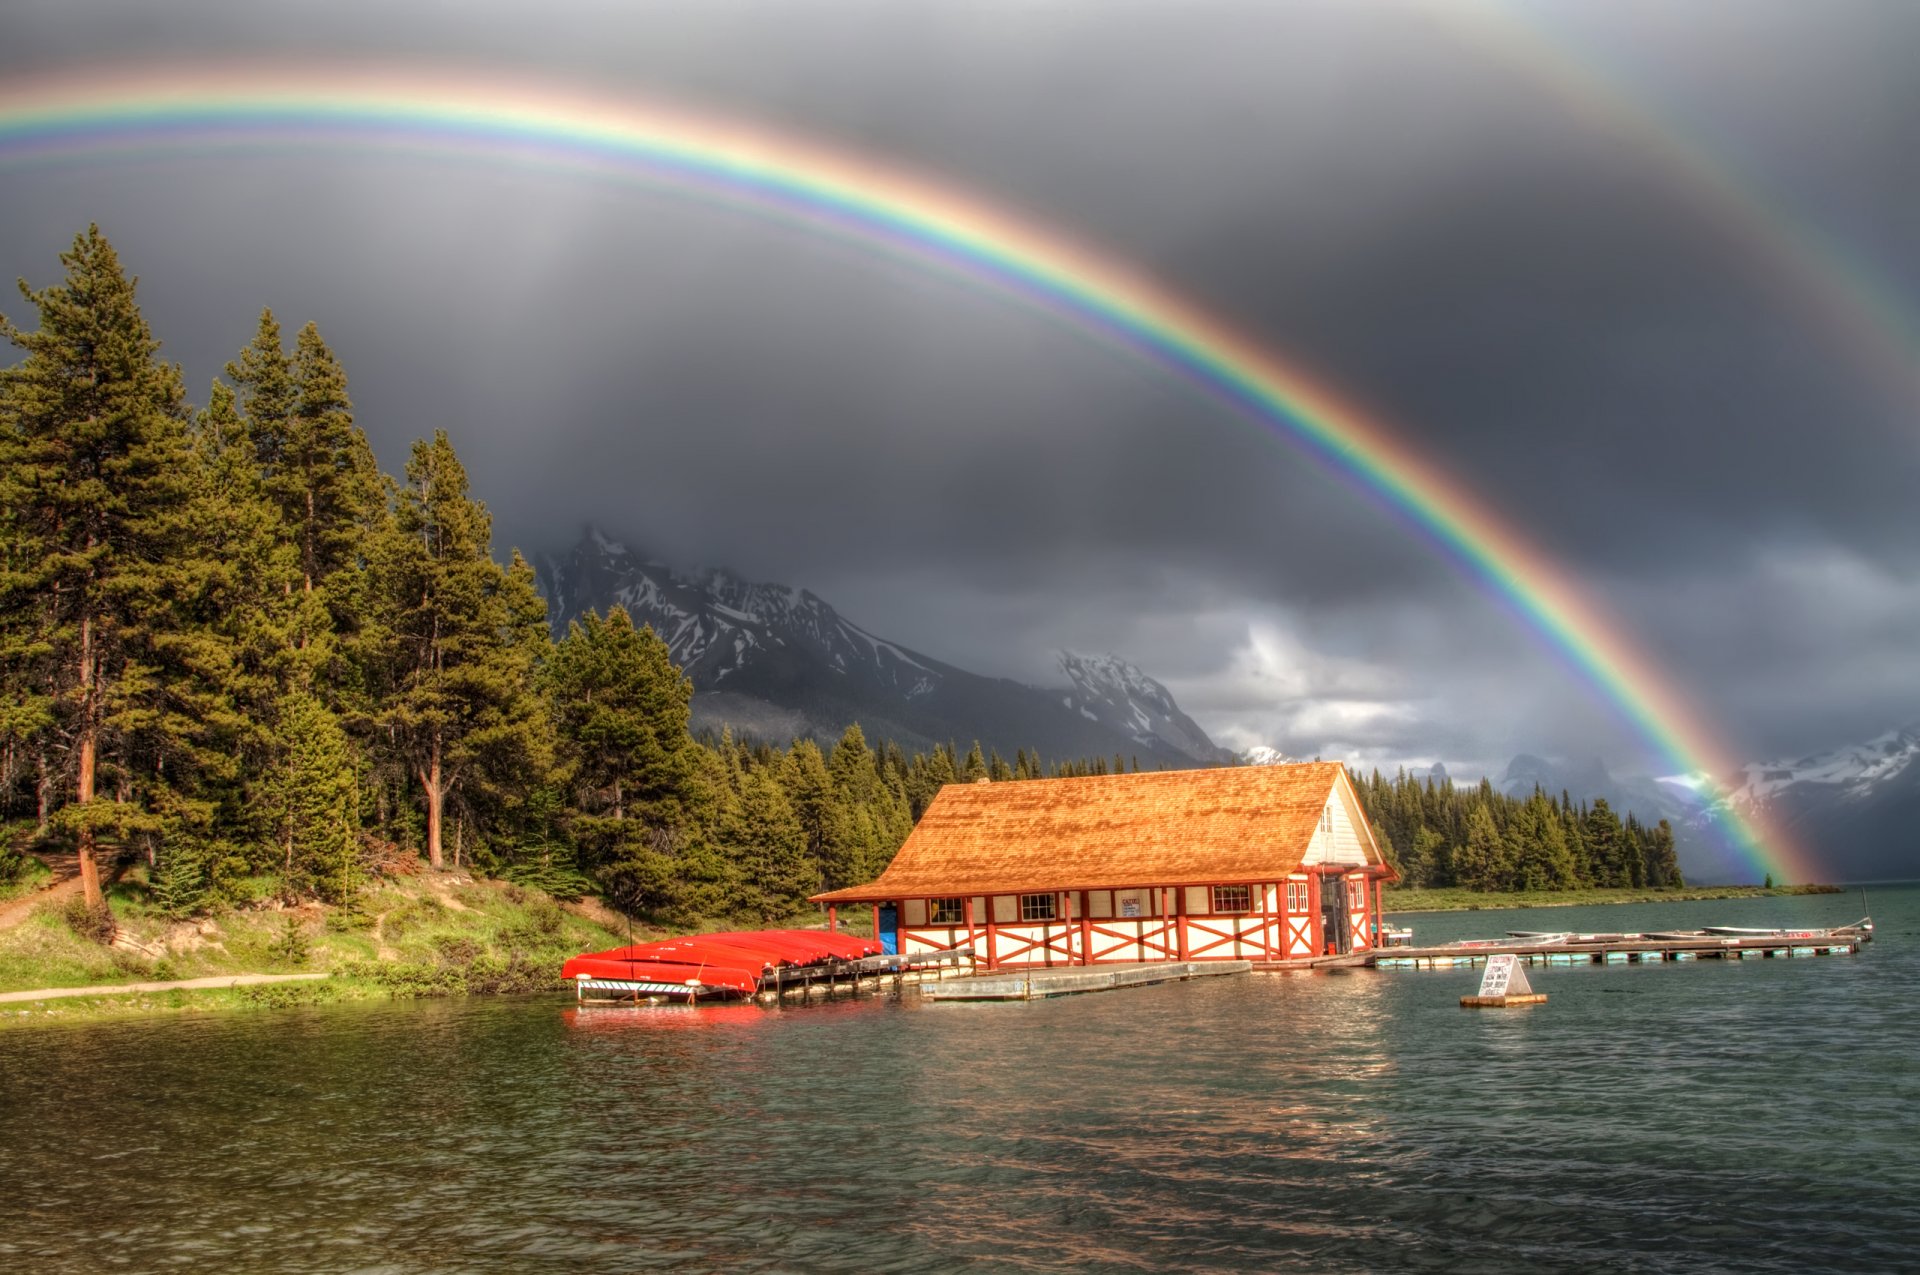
{"x":723,"y":965}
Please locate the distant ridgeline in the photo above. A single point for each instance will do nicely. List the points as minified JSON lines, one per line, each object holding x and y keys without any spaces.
{"x":1481,"y":839}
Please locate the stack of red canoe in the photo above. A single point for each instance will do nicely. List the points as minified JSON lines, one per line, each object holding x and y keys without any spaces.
{"x":733,"y":962}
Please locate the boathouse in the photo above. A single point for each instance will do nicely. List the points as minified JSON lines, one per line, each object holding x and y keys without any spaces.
{"x":1262,"y":863}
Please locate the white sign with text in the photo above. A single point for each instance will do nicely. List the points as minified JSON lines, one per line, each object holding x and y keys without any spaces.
{"x":1504,"y":977}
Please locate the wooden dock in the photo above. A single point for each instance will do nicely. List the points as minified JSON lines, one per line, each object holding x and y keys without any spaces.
{"x":1617,"y":950}
{"x":1068,"y":980}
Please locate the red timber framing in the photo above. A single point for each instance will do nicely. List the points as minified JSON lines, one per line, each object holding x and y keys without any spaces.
{"x":1282,"y":921}
{"x":1143,"y":867}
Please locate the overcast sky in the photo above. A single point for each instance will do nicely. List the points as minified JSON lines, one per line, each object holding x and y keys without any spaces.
{"x":1414,"y":201}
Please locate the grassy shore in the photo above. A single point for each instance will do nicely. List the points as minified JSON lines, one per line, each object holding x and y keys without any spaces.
{"x":1456,"y":900}
{"x":427,"y":935}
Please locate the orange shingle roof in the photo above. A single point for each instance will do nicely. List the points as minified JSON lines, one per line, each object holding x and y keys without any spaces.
{"x":1241,"y":823}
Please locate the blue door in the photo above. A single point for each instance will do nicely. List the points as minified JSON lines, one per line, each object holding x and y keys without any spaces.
{"x":890,"y":929}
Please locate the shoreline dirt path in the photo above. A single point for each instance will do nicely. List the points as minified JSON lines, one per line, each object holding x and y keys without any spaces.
{"x":180,"y":984}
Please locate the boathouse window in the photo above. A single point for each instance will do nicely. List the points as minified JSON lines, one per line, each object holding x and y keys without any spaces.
{"x":945,"y":912}
{"x":1356,"y":895}
{"x":1296,"y":897}
{"x":1233,"y":898}
{"x":1036,"y":907}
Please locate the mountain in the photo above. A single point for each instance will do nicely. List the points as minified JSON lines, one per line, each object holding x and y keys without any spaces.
{"x":776,"y":662}
{"x":1855,"y":808}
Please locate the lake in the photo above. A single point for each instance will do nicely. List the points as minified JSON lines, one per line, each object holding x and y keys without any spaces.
{"x":1737,"y":1116}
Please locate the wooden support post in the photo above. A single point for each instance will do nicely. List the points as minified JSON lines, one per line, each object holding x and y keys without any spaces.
{"x":966,"y":912}
{"x":833,"y":919}
{"x":1180,"y":918}
{"x":1066,"y":902}
{"x":1086,"y":930}
{"x":993,"y":952}
{"x":1314,"y":925}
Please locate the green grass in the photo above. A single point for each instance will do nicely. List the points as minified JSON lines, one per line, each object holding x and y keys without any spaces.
{"x":415,"y":935}
{"x":33,"y":876}
{"x":1450,"y":899}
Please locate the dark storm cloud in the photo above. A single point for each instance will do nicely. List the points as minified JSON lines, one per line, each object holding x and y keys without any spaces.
{"x":1548,"y":313}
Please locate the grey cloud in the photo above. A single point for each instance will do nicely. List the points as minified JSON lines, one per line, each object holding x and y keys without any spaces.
{"x":1358,"y":185}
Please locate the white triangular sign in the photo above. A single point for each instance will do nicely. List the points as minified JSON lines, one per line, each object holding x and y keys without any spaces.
{"x":1505,"y":976}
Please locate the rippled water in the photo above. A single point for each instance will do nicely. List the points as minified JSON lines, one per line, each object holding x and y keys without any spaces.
{"x":1752,"y":1116}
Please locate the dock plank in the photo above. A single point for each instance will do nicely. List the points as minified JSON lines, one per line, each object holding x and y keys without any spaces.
{"x":1043,"y":983}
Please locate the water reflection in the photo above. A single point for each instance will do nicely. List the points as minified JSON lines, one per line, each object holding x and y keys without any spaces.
{"x":1366,"y":1121}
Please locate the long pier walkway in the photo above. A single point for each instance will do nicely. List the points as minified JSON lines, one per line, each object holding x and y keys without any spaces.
{"x":1626,"y":949}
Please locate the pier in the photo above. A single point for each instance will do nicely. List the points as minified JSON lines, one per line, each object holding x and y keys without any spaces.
{"x":1622,"y":949}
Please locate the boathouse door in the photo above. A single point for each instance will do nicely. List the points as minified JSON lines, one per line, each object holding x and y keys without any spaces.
{"x":1334,"y":924}
{"x":889,"y":935}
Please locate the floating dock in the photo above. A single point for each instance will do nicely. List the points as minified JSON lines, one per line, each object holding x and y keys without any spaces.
{"x":1628,"y":949}
{"x":1067,"y":980}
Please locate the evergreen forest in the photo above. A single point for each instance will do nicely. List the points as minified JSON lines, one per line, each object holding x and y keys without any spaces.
{"x":234,"y":649}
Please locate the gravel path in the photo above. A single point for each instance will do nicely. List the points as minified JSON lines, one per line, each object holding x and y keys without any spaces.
{"x":183,"y":984}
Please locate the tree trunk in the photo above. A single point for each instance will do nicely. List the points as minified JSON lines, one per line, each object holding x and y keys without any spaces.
{"x":90,"y":890}
{"x":436,"y":803}
{"x":42,"y":792}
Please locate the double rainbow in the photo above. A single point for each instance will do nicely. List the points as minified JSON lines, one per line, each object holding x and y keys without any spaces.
{"x":199,"y":107}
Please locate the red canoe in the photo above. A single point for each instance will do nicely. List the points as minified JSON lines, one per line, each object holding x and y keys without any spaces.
{"x":668,"y":974}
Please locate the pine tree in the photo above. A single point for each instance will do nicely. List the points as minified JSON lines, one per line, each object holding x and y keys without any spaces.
{"x":1478,"y":863}
{"x":315,"y":802}
{"x":771,"y":849}
{"x":458,"y":665}
{"x":809,"y":790}
{"x":975,"y":766}
{"x":94,"y":462}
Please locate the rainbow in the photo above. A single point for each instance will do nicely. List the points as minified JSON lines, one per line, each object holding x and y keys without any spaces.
{"x":1863,"y":316}
{"x":105,"y":113}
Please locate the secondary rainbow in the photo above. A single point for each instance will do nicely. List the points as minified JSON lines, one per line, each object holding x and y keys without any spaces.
{"x":1869,"y":322}
{"x":104,"y":113}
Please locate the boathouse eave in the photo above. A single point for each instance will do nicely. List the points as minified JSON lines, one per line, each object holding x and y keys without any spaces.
{"x":880,"y":892}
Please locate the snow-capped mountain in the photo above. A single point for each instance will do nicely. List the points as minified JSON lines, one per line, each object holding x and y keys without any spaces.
{"x":774,"y":662}
{"x":1261,"y":755}
{"x":1108,"y":690}
{"x":1856,"y":807}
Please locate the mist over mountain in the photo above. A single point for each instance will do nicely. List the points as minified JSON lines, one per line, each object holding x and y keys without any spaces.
{"x":776,"y":662}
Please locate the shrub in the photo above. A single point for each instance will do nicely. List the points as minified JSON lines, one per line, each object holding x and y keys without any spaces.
{"x":291,"y":945}
{"x":95,"y":923}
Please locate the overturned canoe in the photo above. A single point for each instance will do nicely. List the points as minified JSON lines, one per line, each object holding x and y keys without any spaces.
{"x":726,"y":963}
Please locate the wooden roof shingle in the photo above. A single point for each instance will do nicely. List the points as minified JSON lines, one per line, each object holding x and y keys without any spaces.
{"x":1241,"y":823}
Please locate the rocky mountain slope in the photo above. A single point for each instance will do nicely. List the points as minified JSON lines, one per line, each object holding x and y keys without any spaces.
{"x":1856,"y":807}
{"x":775,"y":662}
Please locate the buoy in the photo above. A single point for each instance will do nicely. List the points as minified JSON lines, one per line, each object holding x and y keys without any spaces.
{"x":1503,"y":986}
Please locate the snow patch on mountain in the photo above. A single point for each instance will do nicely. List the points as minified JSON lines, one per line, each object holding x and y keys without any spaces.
{"x":1109,"y":690}
{"x":1856,"y":770}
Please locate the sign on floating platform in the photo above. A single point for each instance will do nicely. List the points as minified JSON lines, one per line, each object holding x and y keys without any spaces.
{"x":1504,"y":984}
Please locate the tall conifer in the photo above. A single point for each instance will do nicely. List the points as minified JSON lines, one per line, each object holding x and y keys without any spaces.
{"x":93,"y":466}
